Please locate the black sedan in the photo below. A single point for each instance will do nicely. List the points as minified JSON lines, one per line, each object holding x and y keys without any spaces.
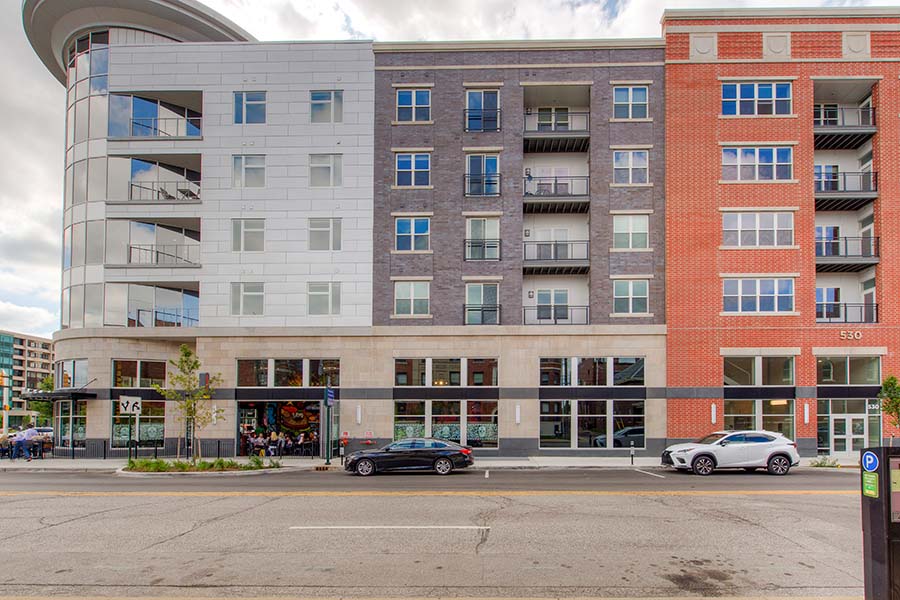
{"x":410,"y":454}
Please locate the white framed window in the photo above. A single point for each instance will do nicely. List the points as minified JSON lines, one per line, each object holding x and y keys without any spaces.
{"x":482,"y":304}
{"x":412,"y":234}
{"x":323,"y":298}
{"x":631,"y":166}
{"x":758,"y":295}
{"x":631,"y":231}
{"x":413,"y":170}
{"x":249,"y":107}
{"x":630,"y":296}
{"x":749,"y":98}
{"x":325,"y":170}
{"x":630,"y":102}
{"x":247,"y":299}
{"x":326,"y":106}
{"x":249,"y":171}
{"x":412,"y":297}
{"x":324,"y":234}
{"x":248,"y":235}
{"x":765,"y":163}
{"x":413,"y":105}
{"x":756,"y":229}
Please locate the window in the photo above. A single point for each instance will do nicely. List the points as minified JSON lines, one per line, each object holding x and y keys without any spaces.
{"x":412,"y":297}
{"x":70,"y":423}
{"x":482,"y":110}
{"x":483,"y":239}
{"x":753,"y":229}
{"x":409,"y":371}
{"x":852,"y":370}
{"x":288,"y":372}
{"x":446,"y":371}
{"x":248,"y":235}
{"x":756,"y":99}
{"x":324,"y":372}
{"x":628,"y":371}
{"x":482,"y":175}
{"x":326,"y":106}
{"x":597,"y":423}
{"x":324,"y":298}
{"x":630,"y":167}
{"x":630,"y":102}
{"x":757,"y":164}
{"x":409,"y":419}
{"x":413,"y":234}
{"x":828,"y":303}
{"x":482,"y":371}
{"x":592,"y":371}
{"x":249,"y":107}
{"x":138,"y":373}
{"x":777,"y":370}
{"x":325,"y":170}
{"x":770,"y":415}
{"x":555,"y":424}
{"x":828,"y":178}
{"x":413,"y":105}
{"x":325,"y":234}
{"x":253,"y":373}
{"x":147,"y":428}
{"x":413,"y":170}
{"x":825,"y":115}
{"x":555,"y":371}
{"x":247,"y":299}
{"x":758,"y":295}
{"x":630,"y":296}
{"x":71,"y":374}
{"x":630,"y":231}
{"x":482,"y":307}
{"x":758,"y":370}
{"x":250,"y":171}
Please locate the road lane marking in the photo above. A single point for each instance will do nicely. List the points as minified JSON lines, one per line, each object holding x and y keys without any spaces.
{"x":466,"y":527}
{"x":651,"y":474}
{"x":409,"y":493}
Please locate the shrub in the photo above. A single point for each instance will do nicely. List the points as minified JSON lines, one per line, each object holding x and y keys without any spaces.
{"x":255,"y":462}
{"x":824,"y":461}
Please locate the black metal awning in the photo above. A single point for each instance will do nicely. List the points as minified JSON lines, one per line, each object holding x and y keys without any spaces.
{"x":59,"y":395}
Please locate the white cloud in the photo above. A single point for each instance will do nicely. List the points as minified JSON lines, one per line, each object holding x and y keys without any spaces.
{"x":30,"y":319}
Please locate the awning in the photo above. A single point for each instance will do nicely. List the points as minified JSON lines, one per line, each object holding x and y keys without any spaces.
{"x":58,"y":395}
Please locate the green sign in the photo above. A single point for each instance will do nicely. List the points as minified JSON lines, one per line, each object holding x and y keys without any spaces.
{"x":870,"y":485}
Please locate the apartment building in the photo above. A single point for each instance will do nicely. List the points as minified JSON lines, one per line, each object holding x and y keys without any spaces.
{"x":27,"y":360}
{"x":782,"y":163}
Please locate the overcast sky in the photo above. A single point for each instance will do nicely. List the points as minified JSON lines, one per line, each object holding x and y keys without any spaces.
{"x":33,"y":122}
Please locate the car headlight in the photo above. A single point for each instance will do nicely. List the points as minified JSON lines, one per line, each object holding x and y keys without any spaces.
{"x":684,"y":451}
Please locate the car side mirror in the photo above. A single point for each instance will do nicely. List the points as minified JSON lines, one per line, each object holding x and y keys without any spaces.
{"x":724,"y":443}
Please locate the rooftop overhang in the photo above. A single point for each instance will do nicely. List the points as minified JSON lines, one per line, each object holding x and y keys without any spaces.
{"x":50,"y":24}
{"x":59,"y":395}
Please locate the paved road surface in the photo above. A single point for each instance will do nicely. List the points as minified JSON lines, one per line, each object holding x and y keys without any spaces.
{"x":598,"y":533}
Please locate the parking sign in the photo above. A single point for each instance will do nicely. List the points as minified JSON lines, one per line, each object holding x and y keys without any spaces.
{"x":870,"y":461}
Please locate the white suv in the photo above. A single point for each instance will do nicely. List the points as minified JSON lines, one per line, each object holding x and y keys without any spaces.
{"x":748,"y":450}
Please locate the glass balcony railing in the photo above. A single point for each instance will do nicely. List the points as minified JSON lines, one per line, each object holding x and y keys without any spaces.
{"x":164,"y":254}
{"x":557,"y":186}
{"x":560,"y":314}
{"x":163,"y":317}
{"x":557,"y":251}
{"x":833,"y":116}
{"x":846,"y":182}
{"x":164,"y":191}
{"x":166,"y":127}
{"x":841,"y":312}
{"x":847,"y":247}
{"x":557,"y":122}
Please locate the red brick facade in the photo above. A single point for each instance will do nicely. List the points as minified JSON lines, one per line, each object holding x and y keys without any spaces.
{"x":695,"y":133}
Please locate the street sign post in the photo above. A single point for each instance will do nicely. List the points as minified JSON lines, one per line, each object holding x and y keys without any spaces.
{"x":880,"y":488}
{"x":5,"y":393}
{"x":329,"y":403}
{"x":131,"y":406}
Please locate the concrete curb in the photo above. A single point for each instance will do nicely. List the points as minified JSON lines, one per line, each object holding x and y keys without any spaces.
{"x":121,"y":472}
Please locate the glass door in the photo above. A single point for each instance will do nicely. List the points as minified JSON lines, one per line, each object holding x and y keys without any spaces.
{"x":848,"y":434}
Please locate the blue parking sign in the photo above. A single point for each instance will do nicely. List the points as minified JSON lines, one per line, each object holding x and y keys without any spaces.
{"x":870,"y":461}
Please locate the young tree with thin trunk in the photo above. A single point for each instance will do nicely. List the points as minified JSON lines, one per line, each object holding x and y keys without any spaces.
{"x":193,"y":402}
{"x":890,"y":401}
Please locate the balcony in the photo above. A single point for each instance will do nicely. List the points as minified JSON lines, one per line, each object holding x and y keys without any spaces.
{"x":556,"y":130}
{"x":845,"y":191}
{"x":482,"y":249}
{"x":169,"y":127}
{"x":164,"y":255}
{"x":838,"y":312}
{"x":479,"y":120}
{"x":482,"y":185}
{"x":164,"y":191}
{"x":843,"y":128}
{"x":557,"y":194}
{"x":846,"y":254}
{"x":546,"y":314}
{"x":556,"y":258}
{"x":481,"y":314}
{"x":163,"y":317}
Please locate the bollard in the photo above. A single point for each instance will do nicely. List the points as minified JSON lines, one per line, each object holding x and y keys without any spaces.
{"x":218,"y":448}
{"x":632,"y":453}
{"x":104,"y":451}
{"x":155,"y":448}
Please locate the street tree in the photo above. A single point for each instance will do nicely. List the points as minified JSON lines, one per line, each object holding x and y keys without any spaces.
{"x":192,"y":400}
{"x":890,"y":401}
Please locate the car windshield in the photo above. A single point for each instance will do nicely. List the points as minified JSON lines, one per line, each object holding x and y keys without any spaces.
{"x":711,"y":438}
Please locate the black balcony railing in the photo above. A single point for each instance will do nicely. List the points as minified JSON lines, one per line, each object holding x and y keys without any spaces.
{"x":482,"y":185}
{"x":553,"y":251}
{"x":557,"y":186}
{"x":840,"y":312}
{"x":481,"y":314}
{"x":559,"y":122}
{"x":163,"y":317}
{"x":480,"y":249}
{"x":561,"y":314}
{"x":481,"y":119}
{"x":849,"y":247}
{"x":164,"y":254}
{"x":166,"y":127}
{"x":164,"y":191}
{"x":847,"y":182}
{"x":833,"y":116}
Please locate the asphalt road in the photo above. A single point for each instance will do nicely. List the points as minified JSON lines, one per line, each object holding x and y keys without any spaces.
{"x":518,"y":533}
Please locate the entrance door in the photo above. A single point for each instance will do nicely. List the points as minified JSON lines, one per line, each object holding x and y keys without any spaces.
{"x":848,"y":434}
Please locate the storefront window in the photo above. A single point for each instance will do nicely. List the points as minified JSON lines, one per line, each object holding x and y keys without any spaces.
{"x":71,"y":373}
{"x":823,"y":426}
{"x":778,"y":370}
{"x":831,"y":370}
{"x":864,"y":370}
{"x":739,"y":370}
{"x":125,"y":373}
{"x":592,"y":422}
{"x":153,"y":373}
{"x":481,"y":423}
{"x":628,"y":371}
{"x":556,"y":422}
{"x":482,"y":371}
{"x":555,"y":371}
{"x":628,"y":423}
{"x":289,"y":373}
{"x":740,"y":414}
{"x":445,"y":371}
{"x":591,"y":371}
{"x":322,"y":371}
{"x":445,"y":420}
{"x":409,"y":419}
{"x":146,"y":429}
{"x":409,"y":371}
{"x":778,"y":416}
{"x":70,"y":423}
{"x":252,"y":373}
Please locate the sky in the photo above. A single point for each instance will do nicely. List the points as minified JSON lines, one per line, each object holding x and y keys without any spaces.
{"x":32,"y":119}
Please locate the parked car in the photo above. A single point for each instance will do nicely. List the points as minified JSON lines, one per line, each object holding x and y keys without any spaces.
{"x":441,"y":456}
{"x":749,"y":450}
{"x":623,"y":438}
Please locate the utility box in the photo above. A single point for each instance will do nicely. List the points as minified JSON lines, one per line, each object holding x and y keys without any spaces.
{"x":880,"y":488}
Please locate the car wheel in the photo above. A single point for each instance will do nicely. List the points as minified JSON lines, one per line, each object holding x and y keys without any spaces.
{"x":443,"y":466}
{"x":779,"y":465}
{"x":365,"y":467}
{"x":703,"y":465}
